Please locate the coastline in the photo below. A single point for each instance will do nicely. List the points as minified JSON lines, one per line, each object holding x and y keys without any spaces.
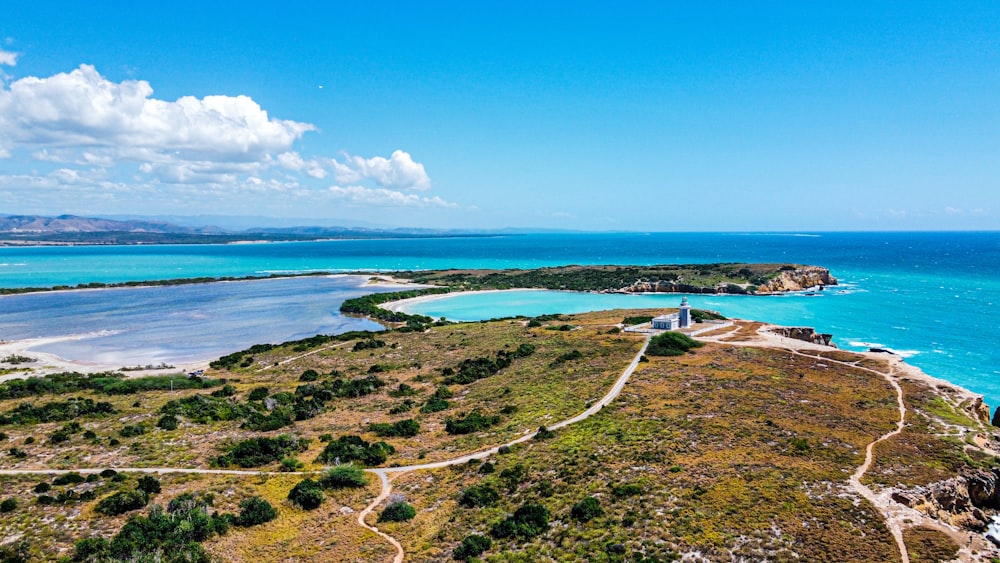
{"x":771,"y":339}
{"x":46,"y":363}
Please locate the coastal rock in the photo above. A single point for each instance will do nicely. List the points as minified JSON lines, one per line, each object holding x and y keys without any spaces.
{"x":996,"y":417}
{"x":805,"y":334}
{"x":980,"y":410}
{"x":959,"y":501}
{"x":797,"y":280}
{"x":982,"y":489}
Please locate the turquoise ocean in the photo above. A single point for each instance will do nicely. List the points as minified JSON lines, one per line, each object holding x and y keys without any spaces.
{"x":931,"y":297}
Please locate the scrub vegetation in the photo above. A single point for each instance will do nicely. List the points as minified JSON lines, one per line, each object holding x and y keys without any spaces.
{"x":729,"y":452}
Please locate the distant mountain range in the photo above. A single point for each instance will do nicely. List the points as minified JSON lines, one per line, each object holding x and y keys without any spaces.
{"x":35,"y":224}
{"x":72,"y":229}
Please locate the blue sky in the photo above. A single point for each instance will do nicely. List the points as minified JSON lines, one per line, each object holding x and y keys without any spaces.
{"x":590,"y":115}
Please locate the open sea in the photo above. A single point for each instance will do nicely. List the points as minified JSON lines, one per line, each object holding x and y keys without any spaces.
{"x":931,"y":297}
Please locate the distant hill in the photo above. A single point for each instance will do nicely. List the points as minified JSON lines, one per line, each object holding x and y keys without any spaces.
{"x":36,"y":224}
{"x":72,"y":229}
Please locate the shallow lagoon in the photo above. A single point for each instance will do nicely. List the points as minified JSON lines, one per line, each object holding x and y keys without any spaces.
{"x":182,"y":323}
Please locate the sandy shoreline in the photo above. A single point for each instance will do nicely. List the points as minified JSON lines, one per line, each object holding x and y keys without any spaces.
{"x":45,"y":363}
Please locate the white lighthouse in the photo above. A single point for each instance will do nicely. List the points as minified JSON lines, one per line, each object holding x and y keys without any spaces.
{"x":685,"y":313}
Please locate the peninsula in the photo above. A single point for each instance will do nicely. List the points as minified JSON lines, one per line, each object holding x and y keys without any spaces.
{"x":561,"y":437}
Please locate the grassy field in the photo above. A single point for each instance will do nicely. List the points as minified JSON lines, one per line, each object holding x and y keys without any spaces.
{"x":728,"y":452}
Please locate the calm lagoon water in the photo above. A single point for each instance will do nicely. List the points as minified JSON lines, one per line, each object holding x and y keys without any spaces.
{"x":931,"y":296}
{"x":184,"y":323}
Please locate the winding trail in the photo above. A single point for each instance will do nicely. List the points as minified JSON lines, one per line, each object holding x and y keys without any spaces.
{"x":386,"y":474}
{"x":897,"y":516}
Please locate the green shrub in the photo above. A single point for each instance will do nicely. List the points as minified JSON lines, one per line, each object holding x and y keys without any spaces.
{"x":309,"y":375}
{"x":671,"y":344}
{"x":122,"y":502}
{"x":308,"y":494}
{"x":346,"y":449}
{"x":344,"y":476}
{"x":261,"y":450}
{"x":479,"y":495}
{"x":149,"y":485}
{"x":18,"y":453}
{"x":406,"y":406}
{"x":403,"y":390}
{"x":108,"y":473}
{"x":528,"y":521}
{"x":472,"y":422}
{"x":226,"y":391}
{"x":544,"y":433}
{"x":472,"y":545}
{"x":258,"y":394}
{"x":289,"y":465}
{"x":167,"y":422}
{"x":587,"y":509}
{"x":403,"y":428}
{"x":9,"y":504}
{"x":132,"y":431}
{"x":626,"y":490}
{"x":68,"y":479}
{"x":487,"y":467}
{"x":253,"y":511}
{"x":398,"y":511}
{"x":42,"y":487}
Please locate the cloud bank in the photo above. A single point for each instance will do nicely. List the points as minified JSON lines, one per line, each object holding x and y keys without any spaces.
{"x":116,"y":134}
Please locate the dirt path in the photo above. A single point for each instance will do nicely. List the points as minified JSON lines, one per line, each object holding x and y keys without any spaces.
{"x":386,"y":474}
{"x":897,"y":516}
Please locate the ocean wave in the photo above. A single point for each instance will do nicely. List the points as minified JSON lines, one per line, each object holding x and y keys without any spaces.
{"x":862,"y":344}
{"x":7,"y":265}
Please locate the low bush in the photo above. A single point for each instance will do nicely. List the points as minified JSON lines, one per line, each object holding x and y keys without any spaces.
{"x":398,"y":511}
{"x":122,"y":502}
{"x":344,"y":476}
{"x":68,"y":479}
{"x":472,"y":422}
{"x":404,"y":428}
{"x":254,"y":452}
{"x":9,"y":504}
{"x":528,"y":521}
{"x":587,"y":509}
{"x":479,"y":495}
{"x":149,"y":485}
{"x":253,"y":511}
{"x":671,"y":344}
{"x":472,"y":545}
{"x":346,"y":449}
{"x":308,"y":494}
{"x":132,"y":431}
{"x":167,"y":422}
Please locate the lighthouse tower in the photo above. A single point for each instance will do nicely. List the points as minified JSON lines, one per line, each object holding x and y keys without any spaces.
{"x":685,"y":313}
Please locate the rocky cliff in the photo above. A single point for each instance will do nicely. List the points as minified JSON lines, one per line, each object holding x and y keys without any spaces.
{"x":806,"y":334}
{"x":797,"y":280}
{"x":962,"y":501}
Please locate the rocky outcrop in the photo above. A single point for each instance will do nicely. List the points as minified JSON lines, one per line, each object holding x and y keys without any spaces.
{"x":996,"y":417}
{"x":959,"y":501}
{"x":797,"y":280}
{"x":978,"y":409}
{"x":805,"y":334}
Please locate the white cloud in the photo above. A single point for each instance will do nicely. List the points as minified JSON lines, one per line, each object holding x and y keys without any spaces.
{"x":8,"y":58}
{"x":360,"y":195}
{"x":85,"y":138}
{"x":294,"y":161}
{"x":82,"y":109}
{"x":399,"y":171}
